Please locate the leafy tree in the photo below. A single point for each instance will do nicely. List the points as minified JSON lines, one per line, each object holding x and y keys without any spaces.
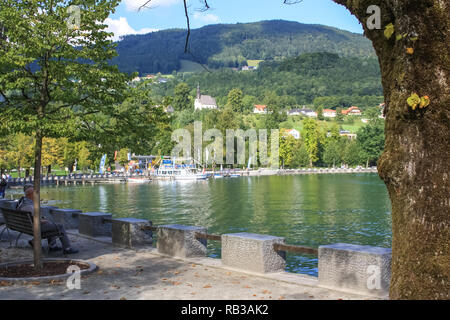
{"x":235,"y":101}
{"x":352,"y":154}
{"x":332,"y":153}
{"x":122,"y":157}
{"x":339,"y":116}
{"x":69,"y":154}
{"x":54,"y":76}
{"x":311,"y":136}
{"x":371,"y":140}
{"x":320,"y":113}
{"x":52,"y":153}
{"x":274,"y":114}
{"x":83,"y":155}
{"x":287,"y":150}
{"x":301,"y":155}
{"x":182,"y":100}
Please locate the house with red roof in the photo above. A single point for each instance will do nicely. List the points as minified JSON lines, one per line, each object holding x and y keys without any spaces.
{"x":352,"y":111}
{"x":329,"y":113}
{"x":261,"y":109}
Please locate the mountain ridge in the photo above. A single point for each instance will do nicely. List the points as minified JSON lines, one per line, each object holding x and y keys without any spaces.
{"x":231,"y":45}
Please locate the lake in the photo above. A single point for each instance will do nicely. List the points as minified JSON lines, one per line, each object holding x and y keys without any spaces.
{"x":310,"y":210}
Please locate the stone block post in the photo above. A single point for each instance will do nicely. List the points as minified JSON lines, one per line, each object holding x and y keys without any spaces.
{"x":179,"y":241}
{"x":69,"y":218}
{"x":93,"y":224}
{"x":252,"y":252}
{"x":355,"y":268}
{"x":128,"y":232}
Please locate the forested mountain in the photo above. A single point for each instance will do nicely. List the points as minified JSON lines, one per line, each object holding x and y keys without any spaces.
{"x":312,"y":78}
{"x":231,"y":45}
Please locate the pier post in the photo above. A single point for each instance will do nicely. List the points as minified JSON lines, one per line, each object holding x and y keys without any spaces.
{"x":253,"y":252}
{"x":179,"y":241}
{"x":355,"y":268}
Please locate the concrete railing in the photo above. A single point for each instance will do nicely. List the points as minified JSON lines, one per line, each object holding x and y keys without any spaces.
{"x":346,"y":267}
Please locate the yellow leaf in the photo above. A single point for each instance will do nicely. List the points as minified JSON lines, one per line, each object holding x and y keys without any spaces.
{"x":413,"y":101}
{"x":389,"y":30}
{"x":409,"y":50}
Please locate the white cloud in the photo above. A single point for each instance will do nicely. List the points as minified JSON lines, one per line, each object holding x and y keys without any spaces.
{"x":121,"y":27}
{"x":206,"y":17}
{"x":134,"y":5}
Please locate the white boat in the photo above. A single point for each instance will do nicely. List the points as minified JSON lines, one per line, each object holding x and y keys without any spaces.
{"x":170,"y":171}
{"x":138,"y":180}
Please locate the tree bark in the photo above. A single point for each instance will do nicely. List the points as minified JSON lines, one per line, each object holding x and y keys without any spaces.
{"x":36,"y":201}
{"x":415,"y":163}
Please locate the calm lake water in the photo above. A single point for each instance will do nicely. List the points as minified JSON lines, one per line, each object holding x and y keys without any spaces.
{"x":309,"y":210}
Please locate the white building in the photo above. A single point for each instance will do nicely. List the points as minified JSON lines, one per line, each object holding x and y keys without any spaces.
{"x":292,"y":132}
{"x":204,"y":101}
{"x":261,"y":109}
{"x":308,"y":112}
{"x":329,"y":113}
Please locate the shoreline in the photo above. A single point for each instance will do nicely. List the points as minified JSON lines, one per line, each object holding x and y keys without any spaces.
{"x":122,"y":178}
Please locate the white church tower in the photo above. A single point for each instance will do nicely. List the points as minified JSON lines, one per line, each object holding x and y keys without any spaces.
{"x":203,"y":101}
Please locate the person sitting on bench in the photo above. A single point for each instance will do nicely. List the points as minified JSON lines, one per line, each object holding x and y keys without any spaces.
{"x":26,"y":204}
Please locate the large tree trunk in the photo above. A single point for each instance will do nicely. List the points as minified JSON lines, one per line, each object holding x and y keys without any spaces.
{"x":36,"y":201}
{"x":415,"y":163}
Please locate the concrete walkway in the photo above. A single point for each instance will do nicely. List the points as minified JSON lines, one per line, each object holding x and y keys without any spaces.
{"x":145,"y":274}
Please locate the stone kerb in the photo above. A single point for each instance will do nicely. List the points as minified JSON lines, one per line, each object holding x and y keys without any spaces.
{"x":355,"y":268}
{"x":69,"y":218}
{"x":179,"y":241}
{"x":127,"y":232}
{"x":92,"y":224}
{"x":253,"y":252}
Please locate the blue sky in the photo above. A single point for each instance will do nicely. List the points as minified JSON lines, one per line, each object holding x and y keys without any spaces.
{"x":166,"y":14}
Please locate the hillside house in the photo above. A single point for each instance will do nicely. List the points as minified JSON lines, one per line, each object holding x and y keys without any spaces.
{"x":329,"y":113}
{"x":290,"y":132}
{"x":294,"y":112}
{"x":260,"y":109}
{"x":308,"y":112}
{"x":352,"y":111}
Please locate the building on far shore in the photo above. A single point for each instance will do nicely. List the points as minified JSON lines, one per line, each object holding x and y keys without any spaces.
{"x":308,"y":112}
{"x":352,"y":111}
{"x":346,"y":133}
{"x":261,"y":109}
{"x":329,"y":113}
{"x":290,"y":132}
{"x":294,"y":112}
{"x":203,"y":101}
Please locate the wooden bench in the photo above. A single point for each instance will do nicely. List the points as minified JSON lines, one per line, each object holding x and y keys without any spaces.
{"x":22,"y":222}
